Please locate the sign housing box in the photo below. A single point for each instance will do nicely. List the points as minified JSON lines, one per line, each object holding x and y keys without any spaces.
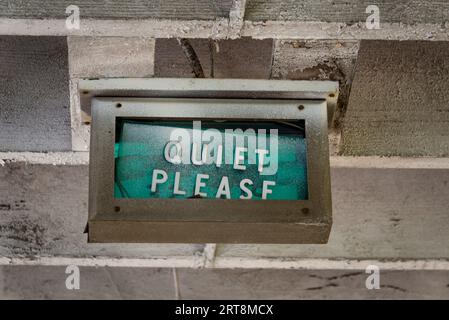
{"x":208,"y":220}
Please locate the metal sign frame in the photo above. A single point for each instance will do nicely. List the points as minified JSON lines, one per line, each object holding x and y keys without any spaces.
{"x":208,"y":88}
{"x":208,"y":220}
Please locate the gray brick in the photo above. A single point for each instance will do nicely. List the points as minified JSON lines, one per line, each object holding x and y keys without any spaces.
{"x":399,"y":103}
{"x":34,"y":94}
{"x":48,"y":282}
{"x":310,"y":284}
{"x":350,"y":12}
{"x":242,"y":58}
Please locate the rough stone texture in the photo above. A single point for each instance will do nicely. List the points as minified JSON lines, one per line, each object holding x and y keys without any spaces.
{"x":100,"y":57}
{"x":170,"y":61}
{"x":314,"y":60}
{"x":405,"y":11}
{"x":377,"y":215}
{"x":225,"y":19}
{"x":39,"y":282}
{"x":313,"y":30}
{"x":218,"y":28}
{"x":121,"y":9}
{"x":350,"y":12}
{"x":44,"y":212}
{"x":317,"y":60}
{"x":34,"y":94}
{"x":399,"y":103}
{"x":103,"y":57}
{"x":317,"y":284}
{"x":80,"y":121}
{"x":241,"y":58}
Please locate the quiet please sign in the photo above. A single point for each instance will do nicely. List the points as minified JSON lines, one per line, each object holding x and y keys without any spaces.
{"x":200,"y":161}
{"x":252,"y":160}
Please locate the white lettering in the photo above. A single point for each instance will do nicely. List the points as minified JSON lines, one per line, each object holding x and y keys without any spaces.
{"x":265,"y":189}
{"x":223,"y":188}
{"x":249,"y":193}
{"x":176,"y":187}
{"x":261,"y":153}
{"x":199,"y":184}
{"x":155,"y":181}
{"x":239,"y":157}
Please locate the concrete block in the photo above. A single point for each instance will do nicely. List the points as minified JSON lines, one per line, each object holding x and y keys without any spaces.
{"x":226,"y":19}
{"x":377,"y":215}
{"x":39,"y":282}
{"x":144,"y":283}
{"x":319,"y":60}
{"x":170,"y":61}
{"x":137,"y":9}
{"x":305,"y":284}
{"x":241,"y":58}
{"x":103,"y":57}
{"x":34,"y":94}
{"x":348,"y":12}
{"x":44,"y":213}
{"x":314,"y":59}
{"x":48,"y":282}
{"x":45,"y":282}
{"x":399,"y":103}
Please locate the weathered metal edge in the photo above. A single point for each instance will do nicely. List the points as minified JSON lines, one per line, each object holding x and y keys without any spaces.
{"x":102,"y":231}
{"x":208,"y":88}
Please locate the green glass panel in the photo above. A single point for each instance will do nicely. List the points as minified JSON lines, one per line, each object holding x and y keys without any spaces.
{"x":140,"y":146}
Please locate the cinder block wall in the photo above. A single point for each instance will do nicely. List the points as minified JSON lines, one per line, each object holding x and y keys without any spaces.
{"x":396,"y":107}
{"x":392,"y":102}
